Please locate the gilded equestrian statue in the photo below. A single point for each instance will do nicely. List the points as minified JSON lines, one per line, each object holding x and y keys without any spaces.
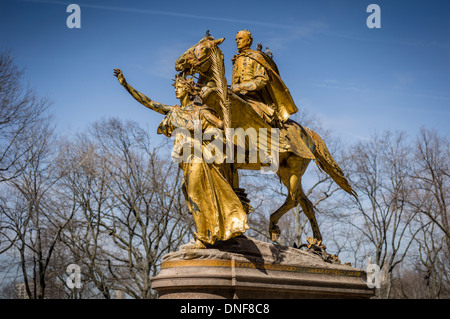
{"x":298,"y":145}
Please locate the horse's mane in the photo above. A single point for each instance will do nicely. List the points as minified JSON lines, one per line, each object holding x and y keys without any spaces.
{"x":218,"y":76}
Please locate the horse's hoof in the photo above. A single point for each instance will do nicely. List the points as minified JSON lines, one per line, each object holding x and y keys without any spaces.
{"x":274,"y":232}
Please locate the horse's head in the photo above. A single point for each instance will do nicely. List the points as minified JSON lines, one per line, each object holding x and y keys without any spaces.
{"x":197,"y":58}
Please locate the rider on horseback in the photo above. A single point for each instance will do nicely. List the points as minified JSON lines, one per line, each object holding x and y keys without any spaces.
{"x":256,"y":79}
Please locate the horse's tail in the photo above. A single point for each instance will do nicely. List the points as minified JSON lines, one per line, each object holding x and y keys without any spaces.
{"x":325,"y":161}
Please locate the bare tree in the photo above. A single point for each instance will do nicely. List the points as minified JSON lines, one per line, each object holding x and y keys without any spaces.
{"x":84,"y":185}
{"x":30,"y":221}
{"x":432,"y":179}
{"x":427,"y":276}
{"x":21,"y":114}
{"x":35,"y":213}
{"x":430,"y":196}
{"x":130,"y":208}
{"x":20,"y":110}
{"x":434,"y":262}
{"x":382,"y":214}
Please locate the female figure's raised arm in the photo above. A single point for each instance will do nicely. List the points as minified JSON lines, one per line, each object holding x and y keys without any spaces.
{"x":141,"y":98}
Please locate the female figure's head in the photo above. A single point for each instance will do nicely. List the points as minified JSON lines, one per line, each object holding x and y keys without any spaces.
{"x":185,"y":88}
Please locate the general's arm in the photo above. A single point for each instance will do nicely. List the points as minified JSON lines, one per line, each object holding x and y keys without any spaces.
{"x":141,"y":98}
{"x":260,"y":79}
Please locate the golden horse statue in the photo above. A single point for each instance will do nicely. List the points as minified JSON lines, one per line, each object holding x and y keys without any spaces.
{"x":206,"y":59}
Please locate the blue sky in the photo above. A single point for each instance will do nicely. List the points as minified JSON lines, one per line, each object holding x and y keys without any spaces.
{"x":356,"y":80}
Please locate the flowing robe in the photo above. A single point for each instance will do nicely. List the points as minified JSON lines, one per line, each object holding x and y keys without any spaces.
{"x":217,"y":210}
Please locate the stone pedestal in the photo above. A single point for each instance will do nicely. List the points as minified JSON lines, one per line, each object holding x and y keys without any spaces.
{"x":245,"y":268}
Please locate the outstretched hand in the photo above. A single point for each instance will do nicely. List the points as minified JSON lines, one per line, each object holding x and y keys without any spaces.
{"x":118,"y":73}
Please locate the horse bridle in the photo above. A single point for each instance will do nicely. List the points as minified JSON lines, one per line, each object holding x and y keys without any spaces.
{"x":195,"y":62}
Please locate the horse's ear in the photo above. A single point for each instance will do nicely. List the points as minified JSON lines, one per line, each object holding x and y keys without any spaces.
{"x":219,"y":41}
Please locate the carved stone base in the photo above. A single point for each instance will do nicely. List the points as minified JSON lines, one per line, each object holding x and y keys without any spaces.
{"x":245,"y":268}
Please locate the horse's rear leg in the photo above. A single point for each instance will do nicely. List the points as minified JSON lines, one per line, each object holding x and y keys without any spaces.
{"x":308,"y":209}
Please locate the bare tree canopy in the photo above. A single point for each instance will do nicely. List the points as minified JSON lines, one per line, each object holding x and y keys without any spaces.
{"x":21,"y":111}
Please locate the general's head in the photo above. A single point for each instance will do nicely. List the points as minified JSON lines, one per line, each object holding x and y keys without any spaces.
{"x":244,"y":39}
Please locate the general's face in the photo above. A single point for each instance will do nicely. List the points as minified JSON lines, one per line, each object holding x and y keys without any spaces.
{"x":243,"y":40}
